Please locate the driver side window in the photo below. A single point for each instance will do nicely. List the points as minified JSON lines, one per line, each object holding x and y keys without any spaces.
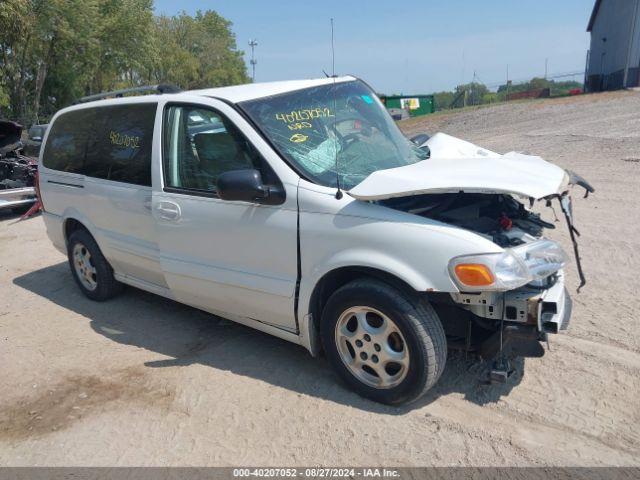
{"x":199,"y":145}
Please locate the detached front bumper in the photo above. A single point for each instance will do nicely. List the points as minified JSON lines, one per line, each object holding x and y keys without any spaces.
{"x":554,"y":308}
{"x":526,"y":315}
{"x":549,"y":310}
{"x":17,"y":197}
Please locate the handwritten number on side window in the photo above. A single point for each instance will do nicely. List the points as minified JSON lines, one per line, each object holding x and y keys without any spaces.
{"x":124,"y":140}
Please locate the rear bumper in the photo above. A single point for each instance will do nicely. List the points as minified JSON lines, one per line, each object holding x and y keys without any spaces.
{"x":55,"y":231}
{"x":17,"y":197}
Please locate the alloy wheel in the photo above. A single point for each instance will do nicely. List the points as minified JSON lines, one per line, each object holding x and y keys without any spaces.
{"x":372,"y":347}
{"x":85,"y":270}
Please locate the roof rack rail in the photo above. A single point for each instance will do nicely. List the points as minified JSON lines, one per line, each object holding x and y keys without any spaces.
{"x":160,"y":88}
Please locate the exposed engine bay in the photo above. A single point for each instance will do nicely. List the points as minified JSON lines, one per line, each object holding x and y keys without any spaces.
{"x":493,"y":196}
{"x":17,"y":171}
{"x":493,"y":322}
{"x":499,"y":217}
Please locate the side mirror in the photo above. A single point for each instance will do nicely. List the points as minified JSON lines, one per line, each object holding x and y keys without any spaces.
{"x":420,"y":142}
{"x":420,"y":139}
{"x":243,"y":185}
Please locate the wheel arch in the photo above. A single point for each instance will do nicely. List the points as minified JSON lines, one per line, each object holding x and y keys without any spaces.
{"x":328,"y":284}
{"x":73,"y":220}
{"x":70,"y":225}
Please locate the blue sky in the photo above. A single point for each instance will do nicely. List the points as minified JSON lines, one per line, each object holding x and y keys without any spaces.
{"x":411,"y":46}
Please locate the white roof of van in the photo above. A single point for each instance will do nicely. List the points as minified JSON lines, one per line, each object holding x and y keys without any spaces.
{"x":234,"y":94}
{"x":250,"y":91}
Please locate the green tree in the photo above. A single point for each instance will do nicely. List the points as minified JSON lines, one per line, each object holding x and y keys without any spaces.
{"x":474,"y":92}
{"x":125,"y":39}
{"x":38,"y":37}
{"x":54,"y":51}
{"x":537,"y":83}
{"x":16,"y":32}
{"x":65,"y":42}
{"x":443,"y":99}
{"x":489,"y":97}
{"x":197,"y":52}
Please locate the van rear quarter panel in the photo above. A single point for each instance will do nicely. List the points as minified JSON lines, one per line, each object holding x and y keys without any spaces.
{"x":115,"y":214}
{"x":58,"y":190}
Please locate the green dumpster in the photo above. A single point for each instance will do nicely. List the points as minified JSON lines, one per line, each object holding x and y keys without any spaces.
{"x":415,"y":105}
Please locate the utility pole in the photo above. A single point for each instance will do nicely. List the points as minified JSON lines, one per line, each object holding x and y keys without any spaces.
{"x":507,"y":97}
{"x":253,"y":44}
{"x":632,"y":29}
{"x":464,"y":64}
{"x":474,"y":90}
{"x":546,"y":63}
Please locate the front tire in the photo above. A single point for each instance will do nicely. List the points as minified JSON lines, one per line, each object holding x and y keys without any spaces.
{"x":386,"y":345}
{"x":90,"y":269}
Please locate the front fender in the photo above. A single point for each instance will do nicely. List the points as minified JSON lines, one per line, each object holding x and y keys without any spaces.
{"x":337,"y":233}
{"x":351,"y":258}
{"x":375,"y":259}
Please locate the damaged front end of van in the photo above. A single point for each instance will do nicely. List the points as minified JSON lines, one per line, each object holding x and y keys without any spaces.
{"x":17,"y":170}
{"x":510,"y":301}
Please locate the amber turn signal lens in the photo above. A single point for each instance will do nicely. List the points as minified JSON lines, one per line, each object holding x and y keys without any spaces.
{"x":474,"y":274}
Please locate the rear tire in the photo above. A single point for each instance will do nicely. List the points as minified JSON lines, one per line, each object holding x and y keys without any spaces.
{"x":90,"y":269}
{"x":387,"y":346}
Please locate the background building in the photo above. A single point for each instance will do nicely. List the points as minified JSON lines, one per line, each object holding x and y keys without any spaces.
{"x":613,"y":61}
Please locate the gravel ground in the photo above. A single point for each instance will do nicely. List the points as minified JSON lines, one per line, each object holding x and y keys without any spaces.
{"x":141,"y":380}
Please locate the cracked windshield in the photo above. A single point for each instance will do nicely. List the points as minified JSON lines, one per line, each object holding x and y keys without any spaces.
{"x":343,"y":123}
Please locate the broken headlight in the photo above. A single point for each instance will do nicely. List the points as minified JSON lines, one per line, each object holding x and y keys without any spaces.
{"x":542,"y":257}
{"x":507,"y":270}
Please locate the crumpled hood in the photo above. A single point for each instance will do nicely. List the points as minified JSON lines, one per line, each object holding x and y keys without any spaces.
{"x":459,"y":166}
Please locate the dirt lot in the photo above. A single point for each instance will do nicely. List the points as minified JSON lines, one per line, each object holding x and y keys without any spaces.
{"x":145,"y":381}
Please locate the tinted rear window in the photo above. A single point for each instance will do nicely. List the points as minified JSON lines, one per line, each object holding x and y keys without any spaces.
{"x":67,"y":141}
{"x":112,"y":143}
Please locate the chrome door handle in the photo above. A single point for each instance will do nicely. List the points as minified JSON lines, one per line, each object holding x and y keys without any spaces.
{"x":168,"y":211}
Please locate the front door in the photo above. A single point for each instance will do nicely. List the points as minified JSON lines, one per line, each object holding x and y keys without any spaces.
{"x":227,"y":257}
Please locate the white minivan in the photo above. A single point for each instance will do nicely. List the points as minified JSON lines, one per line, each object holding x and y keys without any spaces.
{"x":300,"y":209}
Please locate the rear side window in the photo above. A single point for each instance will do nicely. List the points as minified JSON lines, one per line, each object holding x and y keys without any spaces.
{"x":67,"y":141}
{"x":112,"y":143}
{"x":124,"y":143}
